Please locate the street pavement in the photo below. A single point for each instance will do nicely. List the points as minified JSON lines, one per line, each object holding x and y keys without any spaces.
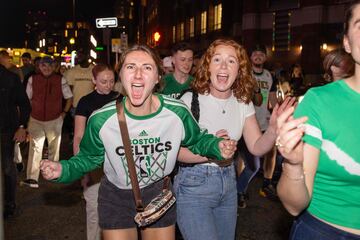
{"x":57,"y":212}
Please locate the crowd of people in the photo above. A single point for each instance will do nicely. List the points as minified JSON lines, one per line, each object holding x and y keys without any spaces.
{"x":209,"y":125}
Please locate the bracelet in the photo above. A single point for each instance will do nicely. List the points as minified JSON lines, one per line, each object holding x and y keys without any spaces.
{"x":292,"y":178}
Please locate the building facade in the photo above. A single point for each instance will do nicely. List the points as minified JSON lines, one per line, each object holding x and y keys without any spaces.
{"x":293,"y":31}
{"x":58,"y":33}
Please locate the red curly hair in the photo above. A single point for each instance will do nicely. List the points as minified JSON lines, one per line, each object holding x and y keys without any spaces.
{"x":244,"y":84}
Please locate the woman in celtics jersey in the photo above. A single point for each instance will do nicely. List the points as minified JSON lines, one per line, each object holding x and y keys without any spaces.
{"x":320,"y":182}
{"x":206,"y":193}
{"x":158,"y":126}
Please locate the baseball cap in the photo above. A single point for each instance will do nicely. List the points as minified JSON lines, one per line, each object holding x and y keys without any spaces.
{"x":167,"y":62}
{"x":47,"y":60}
{"x":26,"y":55}
{"x":258,"y":47}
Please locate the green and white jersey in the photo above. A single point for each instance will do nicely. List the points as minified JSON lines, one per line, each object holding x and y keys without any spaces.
{"x":173,"y":88}
{"x":333,"y":127}
{"x":155,"y":141}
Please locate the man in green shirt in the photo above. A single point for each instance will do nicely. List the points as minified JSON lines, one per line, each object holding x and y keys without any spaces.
{"x":178,"y":81}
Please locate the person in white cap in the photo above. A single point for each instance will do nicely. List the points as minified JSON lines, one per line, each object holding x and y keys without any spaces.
{"x":167,"y":65}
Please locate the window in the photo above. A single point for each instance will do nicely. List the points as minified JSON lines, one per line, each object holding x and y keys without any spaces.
{"x":69,"y":25}
{"x":203,"y":22}
{"x":277,"y":5}
{"x":218,"y":16}
{"x":192,"y":27}
{"x":122,"y":12}
{"x":181,"y":31}
{"x":281,"y":31}
{"x":178,"y":32}
{"x":131,"y":12}
{"x":173,"y":34}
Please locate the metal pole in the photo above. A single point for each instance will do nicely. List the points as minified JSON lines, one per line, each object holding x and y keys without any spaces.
{"x":108,"y":40}
{"x":1,"y":198}
{"x":73,"y":13}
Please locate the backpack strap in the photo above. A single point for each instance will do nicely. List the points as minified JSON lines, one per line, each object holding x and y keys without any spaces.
{"x":195,"y":105}
{"x":195,"y":110}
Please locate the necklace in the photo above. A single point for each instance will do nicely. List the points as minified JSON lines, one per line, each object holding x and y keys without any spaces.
{"x":222,"y":105}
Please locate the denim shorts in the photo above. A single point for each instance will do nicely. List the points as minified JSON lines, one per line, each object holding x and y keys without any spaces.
{"x":307,"y":226}
{"x":117,"y":209}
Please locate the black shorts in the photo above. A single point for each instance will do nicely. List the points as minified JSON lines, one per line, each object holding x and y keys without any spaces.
{"x":117,"y":209}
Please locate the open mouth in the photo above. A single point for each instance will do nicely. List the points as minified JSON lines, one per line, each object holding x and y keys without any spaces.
{"x":222,"y":77}
{"x":137,"y":89}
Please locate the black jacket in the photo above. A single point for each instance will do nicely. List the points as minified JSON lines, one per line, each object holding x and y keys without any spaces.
{"x":14,"y":103}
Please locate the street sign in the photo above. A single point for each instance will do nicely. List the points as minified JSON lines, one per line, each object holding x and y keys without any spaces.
{"x":106,"y":22}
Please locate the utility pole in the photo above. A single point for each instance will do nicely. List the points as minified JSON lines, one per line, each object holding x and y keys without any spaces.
{"x":142,"y":6}
{"x":73,"y":13}
{"x":1,"y":199}
{"x":107,"y":41}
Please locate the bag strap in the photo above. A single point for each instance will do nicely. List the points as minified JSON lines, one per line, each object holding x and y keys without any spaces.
{"x":129,"y":157}
{"x":195,"y":105}
{"x":195,"y":110}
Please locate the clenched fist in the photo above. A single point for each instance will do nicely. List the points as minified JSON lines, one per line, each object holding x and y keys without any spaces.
{"x":50,"y":170}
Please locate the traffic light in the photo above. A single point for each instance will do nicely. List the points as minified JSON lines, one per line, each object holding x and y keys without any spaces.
{"x":157,"y":37}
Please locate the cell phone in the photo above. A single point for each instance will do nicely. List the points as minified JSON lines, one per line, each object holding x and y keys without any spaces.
{"x":280,"y":96}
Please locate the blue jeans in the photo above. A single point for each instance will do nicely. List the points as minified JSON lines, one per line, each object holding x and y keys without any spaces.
{"x":252,"y":166}
{"x":307,"y":226}
{"x":206,"y":202}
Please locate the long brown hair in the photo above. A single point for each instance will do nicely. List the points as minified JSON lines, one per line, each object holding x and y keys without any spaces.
{"x":244,"y":84}
{"x":341,"y":59}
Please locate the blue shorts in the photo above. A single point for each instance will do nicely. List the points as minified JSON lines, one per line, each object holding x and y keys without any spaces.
{"x":307,"y":226}
{"x":117,"y":209}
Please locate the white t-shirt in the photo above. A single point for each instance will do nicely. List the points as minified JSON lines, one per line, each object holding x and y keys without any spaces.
{"x":264,"y":81}
{"x":217,"y":114}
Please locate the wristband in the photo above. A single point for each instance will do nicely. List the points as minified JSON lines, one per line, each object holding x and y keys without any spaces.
{"x":302,"y":176}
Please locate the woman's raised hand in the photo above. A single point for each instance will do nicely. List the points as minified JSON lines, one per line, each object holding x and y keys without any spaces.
{"x":290,"y":132}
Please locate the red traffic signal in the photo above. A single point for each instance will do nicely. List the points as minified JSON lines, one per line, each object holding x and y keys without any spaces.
{"x":157,"y":37}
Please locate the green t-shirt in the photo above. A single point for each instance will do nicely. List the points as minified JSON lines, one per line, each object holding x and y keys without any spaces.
{"x":334,"y":128}
{"x":173,"y":88}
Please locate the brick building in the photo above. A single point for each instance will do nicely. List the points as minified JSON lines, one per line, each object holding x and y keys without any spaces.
{"x":294,"y":31}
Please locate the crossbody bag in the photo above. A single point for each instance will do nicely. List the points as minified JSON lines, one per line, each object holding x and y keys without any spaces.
{"x":162,"y":202}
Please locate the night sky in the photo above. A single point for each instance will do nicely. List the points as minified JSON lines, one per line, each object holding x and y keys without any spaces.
{"x":12,"y":17}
